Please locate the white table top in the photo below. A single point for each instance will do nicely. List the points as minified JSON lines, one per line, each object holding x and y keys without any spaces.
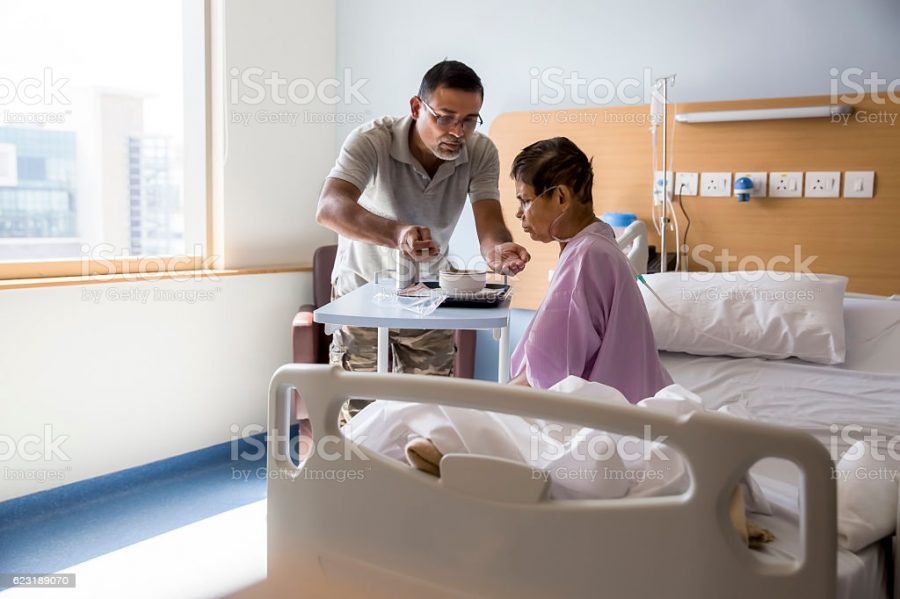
{"x":358,"y":308}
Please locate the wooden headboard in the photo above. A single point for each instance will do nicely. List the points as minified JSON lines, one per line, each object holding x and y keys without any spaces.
{"x":858,"y":238}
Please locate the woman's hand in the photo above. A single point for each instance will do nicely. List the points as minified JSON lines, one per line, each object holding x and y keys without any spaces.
{"x":507,"y":258}
{"x":521,"y":379}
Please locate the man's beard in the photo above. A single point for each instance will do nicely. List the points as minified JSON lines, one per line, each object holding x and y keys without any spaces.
{"x":444,"y":152}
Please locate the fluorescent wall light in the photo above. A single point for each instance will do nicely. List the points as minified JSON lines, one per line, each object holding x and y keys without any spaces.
{"x":763,"y":114}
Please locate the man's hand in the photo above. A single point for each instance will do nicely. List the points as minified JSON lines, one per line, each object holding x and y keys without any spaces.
{"x":416,"y":242}
{"x":507,"y":258}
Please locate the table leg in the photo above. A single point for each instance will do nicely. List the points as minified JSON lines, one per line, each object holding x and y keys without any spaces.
{"x":382,"y":354}
{"x":503,"y":361}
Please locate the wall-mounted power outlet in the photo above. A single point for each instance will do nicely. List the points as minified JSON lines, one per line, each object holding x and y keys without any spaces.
{"x":686,"y":183}
{"x":759,"y":182}
{"x":660,"y":183}
{"x":823,"y":184}
{"x":859,"y":184}
{"x":786,"y":184}
{"x":715,"y":184}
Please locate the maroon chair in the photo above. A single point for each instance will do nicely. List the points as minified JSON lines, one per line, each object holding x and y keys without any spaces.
{"x":311,"y":343}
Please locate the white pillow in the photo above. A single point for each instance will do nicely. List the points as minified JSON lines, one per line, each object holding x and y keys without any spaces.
{"x":749,"y":314}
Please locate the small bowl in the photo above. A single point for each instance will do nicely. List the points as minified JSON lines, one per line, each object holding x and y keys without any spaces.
{"x":466,"y":281}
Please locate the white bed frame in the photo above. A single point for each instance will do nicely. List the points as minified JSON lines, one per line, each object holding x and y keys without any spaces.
{"x":484,"y":528}
{"x":633,"y":241}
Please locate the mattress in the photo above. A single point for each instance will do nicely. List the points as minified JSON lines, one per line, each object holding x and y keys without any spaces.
{"x":836,"y":404}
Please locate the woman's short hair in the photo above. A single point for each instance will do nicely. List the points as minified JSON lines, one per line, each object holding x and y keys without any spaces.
{"x":555,"y":161}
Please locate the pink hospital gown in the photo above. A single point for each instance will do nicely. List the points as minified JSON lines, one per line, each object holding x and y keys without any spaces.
{"x":592,"y":323}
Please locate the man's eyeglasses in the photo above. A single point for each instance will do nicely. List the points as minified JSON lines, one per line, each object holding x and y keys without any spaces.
{"x":446,"y":121}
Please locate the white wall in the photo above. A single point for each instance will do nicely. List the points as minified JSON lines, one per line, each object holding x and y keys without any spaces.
{"x":129,"y":379}
{"x":273,"y":171}
{"x":723,"y":50}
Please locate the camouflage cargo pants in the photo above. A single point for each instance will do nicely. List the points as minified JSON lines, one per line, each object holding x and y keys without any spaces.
{"x":414,"y":351}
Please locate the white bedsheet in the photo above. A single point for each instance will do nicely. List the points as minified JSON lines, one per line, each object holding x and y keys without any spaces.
{"x":837,"y":406}
{"x":578,"y":462}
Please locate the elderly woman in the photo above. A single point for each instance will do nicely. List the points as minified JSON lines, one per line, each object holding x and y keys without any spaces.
{"x":592,"y":323}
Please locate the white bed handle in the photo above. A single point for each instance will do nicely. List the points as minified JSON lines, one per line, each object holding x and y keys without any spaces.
{"x":739,"y":444}
{"x":634,"y":239}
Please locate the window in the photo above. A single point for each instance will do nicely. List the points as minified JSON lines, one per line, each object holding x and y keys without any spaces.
{"x":103,"y":125}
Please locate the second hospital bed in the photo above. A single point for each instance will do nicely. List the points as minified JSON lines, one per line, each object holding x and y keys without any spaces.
{"x":861,"y":395}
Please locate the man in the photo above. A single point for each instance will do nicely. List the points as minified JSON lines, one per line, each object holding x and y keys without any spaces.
{"x":401,"y":184}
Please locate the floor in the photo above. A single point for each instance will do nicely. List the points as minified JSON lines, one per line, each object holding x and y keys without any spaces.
{"x":210,"y":558}
{"x":190,"y":526}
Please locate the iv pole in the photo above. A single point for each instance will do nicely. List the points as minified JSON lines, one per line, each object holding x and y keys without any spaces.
{"x":664,"y":220}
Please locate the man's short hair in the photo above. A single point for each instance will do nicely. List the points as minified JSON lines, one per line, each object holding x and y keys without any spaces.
{"x":451,"y":74}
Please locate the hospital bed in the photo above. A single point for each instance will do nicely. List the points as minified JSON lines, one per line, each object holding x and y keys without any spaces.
{"x":350,"y":522}
{"x":376,"y":527}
